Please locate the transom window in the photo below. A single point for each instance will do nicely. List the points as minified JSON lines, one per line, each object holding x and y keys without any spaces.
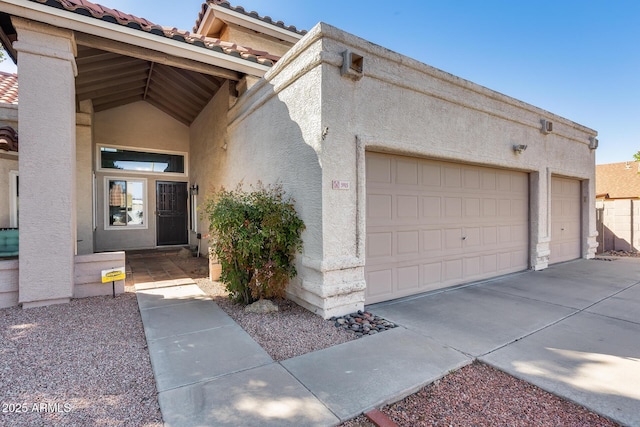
{"x":126,"y":203}
{"x":141,"y":161}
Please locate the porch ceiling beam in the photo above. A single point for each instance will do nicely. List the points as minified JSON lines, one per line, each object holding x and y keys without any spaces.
{"x":183,"y":79}
{"x":146,"y":87}
{"x":88,"y":79}
{"x":116,"y":88}
{"x":181,"y":117}
{"x":99,"y":85}
{"x":117,"y":97}
{"x":154,"y":56}
{"x":120,"y":62}
{"x":176,"y":101}
{"x":170,"y":84}
{"x":83,"y":59}
{"x":116,"y":103}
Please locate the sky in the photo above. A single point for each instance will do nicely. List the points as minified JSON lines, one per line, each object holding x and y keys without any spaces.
{"x":579,"y":59}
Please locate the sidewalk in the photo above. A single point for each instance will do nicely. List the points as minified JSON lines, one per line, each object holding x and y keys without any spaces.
{"x":209,"y":371}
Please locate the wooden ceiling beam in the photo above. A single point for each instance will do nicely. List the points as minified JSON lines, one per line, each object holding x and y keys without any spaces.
{"x":85,"y":79}
{"x":116,"y":103}
{"x":168,"y":83}
{"x":181,"y":117}
{"x":119,"y":62}
{"x":114,"y":89}
{"x":98,"y":85}
{"x":175,"y":102}
{"x":154,"y":56}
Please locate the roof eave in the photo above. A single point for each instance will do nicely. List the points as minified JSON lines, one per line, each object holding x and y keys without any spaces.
{"x":218,"y":12}
{"x":93,"y":26}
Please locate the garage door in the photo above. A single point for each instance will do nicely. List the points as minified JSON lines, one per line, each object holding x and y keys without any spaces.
{"x":565,"y":220}
{"x":434,"y":224}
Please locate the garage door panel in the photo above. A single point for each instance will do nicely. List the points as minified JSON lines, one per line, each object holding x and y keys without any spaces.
{"x":431,"y":175}
{"x":452,"y":177}
{"x":431,"y":275}
{"x":379,"y":283}
{"x":379,"y":206}
{"x":472,"y":267}
{"x":431,"y":207}
{"x":406,"y":172}
{"x":379,"y":170}
{"x":380,"y":245}
{"x":408,"y":278}
{"x":431,"y":240}
{"x":408,"y":242}
{"x":407,"y":207}
{"x":449,"y":224}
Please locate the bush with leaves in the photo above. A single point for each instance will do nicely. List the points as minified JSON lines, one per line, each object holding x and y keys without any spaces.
{"x":256,"y":236}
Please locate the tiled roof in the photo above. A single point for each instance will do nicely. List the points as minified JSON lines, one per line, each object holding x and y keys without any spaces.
{"x":252,"y":14}
{"x":86,"y":8}
{"x":8,"y":88}
{"x":8,"y":139}
{"x":618,"y":180}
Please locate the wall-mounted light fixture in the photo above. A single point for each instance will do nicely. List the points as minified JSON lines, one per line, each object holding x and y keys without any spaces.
{"x":194,"y":189}
{"x":593,"y":142}
{"x":519,"y":148}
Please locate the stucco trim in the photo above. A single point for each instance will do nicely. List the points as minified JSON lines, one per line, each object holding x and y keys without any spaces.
{"x":564,"y":127}
{"x":48,"y":52}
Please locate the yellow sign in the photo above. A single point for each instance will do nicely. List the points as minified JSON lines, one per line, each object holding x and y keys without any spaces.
{"x":113,"y":275}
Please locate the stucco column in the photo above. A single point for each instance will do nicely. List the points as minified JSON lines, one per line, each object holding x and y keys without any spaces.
{"x":47,"y":163}
{"x":540,"y":202}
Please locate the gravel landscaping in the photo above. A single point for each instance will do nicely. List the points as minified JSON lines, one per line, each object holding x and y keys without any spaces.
{"x":80,"y":364}
{"x":87,"y":363}
{"x":479,"y":395}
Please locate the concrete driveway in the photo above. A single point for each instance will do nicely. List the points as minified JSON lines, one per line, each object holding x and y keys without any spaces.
{"x":572,"y":329}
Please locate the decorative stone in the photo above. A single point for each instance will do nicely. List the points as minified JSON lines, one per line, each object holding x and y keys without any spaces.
{"x":262,"y":306}
{"x":363,"y":323}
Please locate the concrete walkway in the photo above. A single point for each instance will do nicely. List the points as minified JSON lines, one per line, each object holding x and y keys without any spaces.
{"x":573,"y":329}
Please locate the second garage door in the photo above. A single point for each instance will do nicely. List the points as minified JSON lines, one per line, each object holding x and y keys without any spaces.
{"x":434,"y":224}
{"x":565,"y":219}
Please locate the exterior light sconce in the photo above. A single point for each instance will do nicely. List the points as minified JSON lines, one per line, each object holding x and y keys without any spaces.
{"x":547,"y":126}
{"x":352,"y":65}
{"x":519,"y":148}
{"x":593,"y":142}
{"x":194,"y":190}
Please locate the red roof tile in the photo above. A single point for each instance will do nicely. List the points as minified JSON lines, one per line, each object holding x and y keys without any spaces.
{"x":618,"y":180}
{"x":8,"y":88}
{"x":252,"y":14}
{"x":114,"y":16}
{"x":8,"y":139}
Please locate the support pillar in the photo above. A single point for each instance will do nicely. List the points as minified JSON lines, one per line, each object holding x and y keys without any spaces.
{"x":47,"y":163}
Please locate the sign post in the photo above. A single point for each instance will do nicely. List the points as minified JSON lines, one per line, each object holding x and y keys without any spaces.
{"x":112,"y":276}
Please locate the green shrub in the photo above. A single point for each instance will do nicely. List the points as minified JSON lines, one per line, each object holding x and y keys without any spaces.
{"x":256,"y":236}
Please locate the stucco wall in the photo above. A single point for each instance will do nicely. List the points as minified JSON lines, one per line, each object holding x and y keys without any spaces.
{"x":137,"y":125}
{"x":275,"y":136}
{"x":319,"y":117}
{"x":208,"y":164}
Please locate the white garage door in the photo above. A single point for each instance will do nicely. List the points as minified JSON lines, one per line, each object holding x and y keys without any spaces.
{"x":565,"y":220}
{"x":434,"y":224}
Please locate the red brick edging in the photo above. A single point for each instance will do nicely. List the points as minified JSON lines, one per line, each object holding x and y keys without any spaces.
{"x":380,"y":419}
